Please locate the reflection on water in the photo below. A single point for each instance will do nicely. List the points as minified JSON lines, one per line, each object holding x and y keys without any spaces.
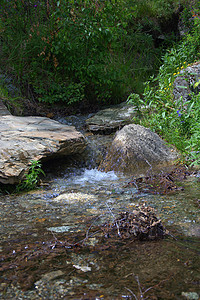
{"x":69,"y":205}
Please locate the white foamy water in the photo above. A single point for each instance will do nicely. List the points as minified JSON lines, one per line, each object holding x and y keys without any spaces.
{"x":94,"y":175}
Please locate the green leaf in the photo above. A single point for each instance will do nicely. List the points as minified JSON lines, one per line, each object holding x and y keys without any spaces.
{"x":182,"y":87}
{"x":190,"y":108}
{"x":163,"y":115}
{"x":196,"y":84}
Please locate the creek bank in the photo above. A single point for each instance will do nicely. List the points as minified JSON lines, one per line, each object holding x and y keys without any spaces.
{"x":134,"y":150}
{"x":23,"y":139}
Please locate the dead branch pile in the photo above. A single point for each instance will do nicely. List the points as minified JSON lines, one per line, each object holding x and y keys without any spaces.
{"x":140,"y":224}
{"x":162,"y":183}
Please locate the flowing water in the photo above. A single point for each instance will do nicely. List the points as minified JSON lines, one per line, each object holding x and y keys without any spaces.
{"x":76,"y":200}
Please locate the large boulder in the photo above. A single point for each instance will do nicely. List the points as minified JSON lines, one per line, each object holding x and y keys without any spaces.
{"x":23,"y":139}
{"x":136,"y":149}
{"x":187,"y":82}
{"x":110,"y":119}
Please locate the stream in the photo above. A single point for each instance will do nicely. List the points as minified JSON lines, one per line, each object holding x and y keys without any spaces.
{"x":42,"y":253}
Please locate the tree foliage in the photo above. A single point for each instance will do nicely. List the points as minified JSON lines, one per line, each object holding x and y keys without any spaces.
{"x":72,"y":50}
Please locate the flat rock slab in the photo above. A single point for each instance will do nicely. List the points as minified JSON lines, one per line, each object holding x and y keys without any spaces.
{"x":23,"y":139}
{"x":112,"y":118}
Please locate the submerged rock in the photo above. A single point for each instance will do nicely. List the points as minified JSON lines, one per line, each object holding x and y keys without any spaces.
{"x":137,"y":149}
{"x":52,"y":275}
{"x":74,"y":197}
{"x":110,"y":119}
{"x":23,"y":139}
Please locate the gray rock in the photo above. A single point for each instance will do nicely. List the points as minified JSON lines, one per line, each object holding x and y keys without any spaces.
{"x":23,"y":139}
{"x":112,"y":118}
{"x":184,"y":84}
{"x":137,"y":149}
{"x":3,"y":109}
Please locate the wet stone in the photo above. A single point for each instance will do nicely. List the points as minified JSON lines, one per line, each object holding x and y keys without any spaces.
{"x":84,"y":263}
{"x":59,"y":229}
{"x":83,"y":268}
{"x":52,"y":275}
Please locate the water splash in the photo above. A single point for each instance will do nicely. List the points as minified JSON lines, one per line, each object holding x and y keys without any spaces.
{"x":94,"y":175}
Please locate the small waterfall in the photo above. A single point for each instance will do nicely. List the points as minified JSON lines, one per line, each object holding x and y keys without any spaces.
{"x":94,"y":176}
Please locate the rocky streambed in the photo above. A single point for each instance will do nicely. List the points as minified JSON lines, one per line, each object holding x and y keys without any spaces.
{"x":54,"y":242}
{"x":52,"y":246}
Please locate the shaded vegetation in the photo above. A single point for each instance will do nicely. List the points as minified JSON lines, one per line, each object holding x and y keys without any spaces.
{"x":177,"y":121}
{"x":98,"y":51}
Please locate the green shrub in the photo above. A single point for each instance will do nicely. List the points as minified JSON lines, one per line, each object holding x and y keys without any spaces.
{"x":71,"y":93}
{"x":85,"y":44}
{"x":71,"y":50}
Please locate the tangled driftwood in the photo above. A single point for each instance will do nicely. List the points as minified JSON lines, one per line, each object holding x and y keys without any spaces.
{"x":140,"y":224}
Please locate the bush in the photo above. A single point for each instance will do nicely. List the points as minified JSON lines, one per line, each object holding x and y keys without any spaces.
{"x":71,"y":50}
